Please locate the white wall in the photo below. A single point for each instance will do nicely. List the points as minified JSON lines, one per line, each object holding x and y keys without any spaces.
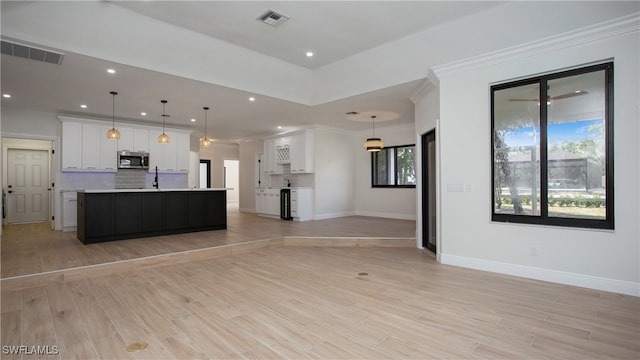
{"x":607,"y":260}
{"x":399,"y":203}
{"x":218,"y":153}
{"x":334,"y":173}
{"x":247,"y":154}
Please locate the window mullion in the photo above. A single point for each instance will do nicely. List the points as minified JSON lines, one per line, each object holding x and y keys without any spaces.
{"x":544,"y":171}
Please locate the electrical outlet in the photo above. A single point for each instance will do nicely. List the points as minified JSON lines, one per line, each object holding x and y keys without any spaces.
{"x":534,"y":251}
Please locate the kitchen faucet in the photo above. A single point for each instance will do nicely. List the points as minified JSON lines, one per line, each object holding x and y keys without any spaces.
{"x":155,"y":180}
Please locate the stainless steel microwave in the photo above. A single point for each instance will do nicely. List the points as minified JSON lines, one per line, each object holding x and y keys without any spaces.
{"x":133,"y":160}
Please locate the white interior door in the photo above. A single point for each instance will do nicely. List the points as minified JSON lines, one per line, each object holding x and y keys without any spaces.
{"x":27,"y":186}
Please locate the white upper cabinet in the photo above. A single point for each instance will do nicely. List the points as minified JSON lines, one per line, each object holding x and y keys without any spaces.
{"x":302,"y":153}
{"x":172,"y":156}
{"x":108,"y":150}
{"x":270,"y":164}
{"x":136,"y":140}
{"x":85,"y":146}
{"x":71,"y":146}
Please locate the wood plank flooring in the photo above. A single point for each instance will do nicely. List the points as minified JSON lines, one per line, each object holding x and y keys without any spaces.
{"x":34,"y":248}
{"x":320,"y":303}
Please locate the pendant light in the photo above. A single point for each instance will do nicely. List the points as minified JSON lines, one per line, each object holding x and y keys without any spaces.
{"x":113,"y":133}
{"x":164,"y":138}
{"x":205,"y":141}
{"x":373,"y":143}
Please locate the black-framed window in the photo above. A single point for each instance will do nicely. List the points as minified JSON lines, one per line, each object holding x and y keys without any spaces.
{"x":394,"y":166}
{"x":552,"y":161}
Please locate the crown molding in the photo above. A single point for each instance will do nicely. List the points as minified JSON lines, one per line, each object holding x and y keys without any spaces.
{"x":425,"y":88}
{"x":602,"y":31}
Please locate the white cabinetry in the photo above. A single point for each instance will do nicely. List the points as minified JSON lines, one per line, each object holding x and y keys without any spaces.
{"x":301,"y":204}
{"x":69,"y":210}
{"x":268,"y":202}
{"x":283,"y":150}
{"x":71,"y":146}
{"x":86,"y":147}
{"x":170,"y":157}
{"x":302,"y":154}
{"x":131,"y":139}
{"x":270,"y":165}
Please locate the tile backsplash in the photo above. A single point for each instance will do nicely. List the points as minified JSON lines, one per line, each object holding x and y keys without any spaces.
{"x":123,"y":179}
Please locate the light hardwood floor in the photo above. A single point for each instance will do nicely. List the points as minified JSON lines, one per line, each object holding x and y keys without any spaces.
{"x":316,"y":302}
{"x":288,"y":301}
{"x":34,"y":248}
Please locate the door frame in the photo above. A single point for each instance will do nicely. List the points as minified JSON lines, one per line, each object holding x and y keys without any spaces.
{"x":426,"y":182}
{"x":208,"y":163}
{"x":8,"y":140}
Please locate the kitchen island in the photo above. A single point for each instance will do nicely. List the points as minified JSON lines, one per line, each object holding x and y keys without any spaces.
{"x":106,"y":215}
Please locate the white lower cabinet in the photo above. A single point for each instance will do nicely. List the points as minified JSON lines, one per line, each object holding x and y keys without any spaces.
{"x":69,"y":210}
{"x":268,"y":202}
{"x":302,"y":204}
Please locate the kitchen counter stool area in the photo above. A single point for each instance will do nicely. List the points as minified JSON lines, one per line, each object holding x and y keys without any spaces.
{"x":116,"y":215}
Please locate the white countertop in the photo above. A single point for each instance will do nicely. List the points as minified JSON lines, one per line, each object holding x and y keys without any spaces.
{"x":149,"y":190}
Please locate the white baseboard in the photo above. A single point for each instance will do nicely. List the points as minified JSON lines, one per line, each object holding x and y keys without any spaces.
{"x":555,"y":276}
{"x":333,"y":215}
{"x":387,"y":215}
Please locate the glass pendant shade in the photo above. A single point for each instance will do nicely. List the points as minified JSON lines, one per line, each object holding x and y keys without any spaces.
{"x":205,"y":141}
{"x":113,"y":133}
{"x":163,"y":138}
{"x":373,"y":143}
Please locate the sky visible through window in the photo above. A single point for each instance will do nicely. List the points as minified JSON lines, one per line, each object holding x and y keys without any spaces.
{"x":557,"y":133}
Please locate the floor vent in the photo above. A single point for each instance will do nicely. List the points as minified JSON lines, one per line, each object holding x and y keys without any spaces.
{"x":273,"y":18}
{"x":30,"y":52}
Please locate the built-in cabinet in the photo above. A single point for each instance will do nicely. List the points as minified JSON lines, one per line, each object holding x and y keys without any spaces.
{"x":170,"y":157}
{"x":302,"y":204}
{"x":295,"y":150}
{"x":268,"y":202}
{"x":85,"y":146}
{"x":69,"y":210}
{"x":131,"y":139}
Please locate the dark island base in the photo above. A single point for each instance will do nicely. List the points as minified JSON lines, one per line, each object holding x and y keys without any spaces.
{"x":108,"y":216}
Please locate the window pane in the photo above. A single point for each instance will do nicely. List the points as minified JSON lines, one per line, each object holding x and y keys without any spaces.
{"x":405,"y":165}
{"x":381,"y":170}
{"x":516,"y":150}
{"x":576,"y":146}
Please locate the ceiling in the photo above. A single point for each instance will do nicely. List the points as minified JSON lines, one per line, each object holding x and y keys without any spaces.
{"x":332,"y":30}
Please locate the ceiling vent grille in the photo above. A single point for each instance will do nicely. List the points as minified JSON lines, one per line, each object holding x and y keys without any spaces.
{"x":30,"y":52}
{"x":273,"y":18}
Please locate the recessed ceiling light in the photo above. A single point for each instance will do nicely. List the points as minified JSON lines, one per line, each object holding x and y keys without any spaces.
{"x":8,"y":96}
{"x":252,"y":99}
{"x":309,"y":53}
{"x":279,"y":127}
{"x":193,"y":120}
{"x":83,"y":106}
{"x":111,"y":71}
{"x":143,"y":113}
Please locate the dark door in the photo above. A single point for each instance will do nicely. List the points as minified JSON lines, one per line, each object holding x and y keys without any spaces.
{"x":429,"y":191}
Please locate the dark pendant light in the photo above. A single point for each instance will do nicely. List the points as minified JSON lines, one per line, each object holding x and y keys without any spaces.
{"x":373,"y":143}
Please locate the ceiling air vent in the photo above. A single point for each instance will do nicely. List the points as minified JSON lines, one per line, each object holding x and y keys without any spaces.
{"x":30,"y":52}
{"x":273,"y":18}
